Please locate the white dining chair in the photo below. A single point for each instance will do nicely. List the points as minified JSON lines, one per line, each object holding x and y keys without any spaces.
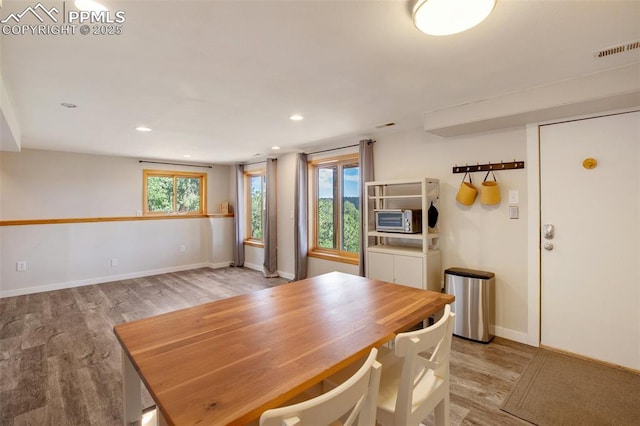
{"x":414,"y":384}
{"x":351,"y":403}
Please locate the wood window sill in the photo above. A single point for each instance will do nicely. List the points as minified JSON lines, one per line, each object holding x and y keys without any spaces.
{"x":334,"y":257}
{"x":254,"y":243}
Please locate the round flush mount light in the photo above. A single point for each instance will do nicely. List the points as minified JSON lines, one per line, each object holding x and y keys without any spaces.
{"x":68,"y":105}
{"x":143,"y":129}
{"x":445,"y":17}
{"x":296,"y":117}
{"x":187,"y":156}
{"x":275,"y":148}
{"x":89,"y":6}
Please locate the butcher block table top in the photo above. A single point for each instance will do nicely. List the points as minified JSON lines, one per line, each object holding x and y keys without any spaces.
{"x":227,"y":361}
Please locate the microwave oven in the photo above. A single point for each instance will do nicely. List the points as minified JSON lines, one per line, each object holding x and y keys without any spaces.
{"x":406,"y":221}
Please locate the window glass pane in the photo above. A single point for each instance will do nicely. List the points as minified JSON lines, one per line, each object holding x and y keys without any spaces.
{"x":350,"y":208}
{"x":160,"y":193}
{"x":326,"y":205}
{"x":188,"y":194}
{"x":256,"y":185}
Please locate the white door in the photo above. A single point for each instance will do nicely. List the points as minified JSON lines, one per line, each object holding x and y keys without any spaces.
{"x":590,"y":278}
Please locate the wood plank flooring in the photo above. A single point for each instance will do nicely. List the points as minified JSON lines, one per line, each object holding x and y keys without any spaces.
{"x":60,"y":363}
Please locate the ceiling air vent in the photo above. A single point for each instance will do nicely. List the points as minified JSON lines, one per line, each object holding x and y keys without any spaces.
{"x":620,"y":48}
{"x":381,"y":126}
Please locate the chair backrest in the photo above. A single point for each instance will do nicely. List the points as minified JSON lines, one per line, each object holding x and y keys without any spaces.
{"x":436,"y":340}
{"x":354,"y":399}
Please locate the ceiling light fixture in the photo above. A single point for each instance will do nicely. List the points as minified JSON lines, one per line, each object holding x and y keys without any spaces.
{"x":89,"y":6}
{"x":68,"y":105}
{"x":143,"y":129}
{"x":296,"y":117}
{"x":445,"y":17}
{"x":275,"y":148}
{"x":187,"y":156}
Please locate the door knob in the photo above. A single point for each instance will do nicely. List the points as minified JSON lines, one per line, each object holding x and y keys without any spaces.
{"x":547,"y":231}
{"x":548,"y":246}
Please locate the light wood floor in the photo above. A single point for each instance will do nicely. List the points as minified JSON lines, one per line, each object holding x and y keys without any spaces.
{"x":60,"y":363}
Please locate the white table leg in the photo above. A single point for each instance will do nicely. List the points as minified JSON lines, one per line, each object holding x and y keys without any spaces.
{"x":132,"y":396}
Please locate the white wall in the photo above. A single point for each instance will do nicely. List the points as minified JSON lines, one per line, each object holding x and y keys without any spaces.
{"x":52,"y":185}
{"x":33,"y":182}
{"x":317,"y":266}
{"x":67,"y":255}
{"x":286,"y":203}
{"x":222,"y":235}
{"x":47,"y":184}
{"x":478,"y":237}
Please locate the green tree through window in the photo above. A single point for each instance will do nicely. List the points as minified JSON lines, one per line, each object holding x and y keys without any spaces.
{"x":256,"y":205}
{"x":338,"y":207}
{"x":174,"y":192}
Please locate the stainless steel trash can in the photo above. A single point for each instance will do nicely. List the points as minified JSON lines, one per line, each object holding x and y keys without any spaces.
{"x":474,"y":304}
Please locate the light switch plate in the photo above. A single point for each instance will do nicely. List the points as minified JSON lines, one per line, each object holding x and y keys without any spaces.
{"x":514,"y":212}
{"x":514,"y":196}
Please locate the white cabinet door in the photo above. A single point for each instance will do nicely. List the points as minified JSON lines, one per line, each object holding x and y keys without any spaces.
{"x":380,"y":266}
{"x":408,"y":271}
{"x":396,"y":268}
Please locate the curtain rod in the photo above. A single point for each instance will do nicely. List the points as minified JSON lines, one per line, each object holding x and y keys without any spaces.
{"x":176,"y":164}
{"x":258,"y":162}
{"x":369,"y":141}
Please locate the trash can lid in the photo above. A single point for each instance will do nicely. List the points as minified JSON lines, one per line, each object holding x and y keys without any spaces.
{"x":469,"y":273}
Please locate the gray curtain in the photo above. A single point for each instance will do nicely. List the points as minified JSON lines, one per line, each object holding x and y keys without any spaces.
{"x":301,"y":222}
{"x":366,"y":175}
{"x":238,"y":256}
{"x":270,"y":222}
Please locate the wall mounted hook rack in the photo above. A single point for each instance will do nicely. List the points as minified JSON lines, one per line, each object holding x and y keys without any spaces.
{"x":467,"y":168}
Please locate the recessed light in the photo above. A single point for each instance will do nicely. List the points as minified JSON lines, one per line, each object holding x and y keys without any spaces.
{"x":143,"y":129}
{"x":68,"y":105}
{"x":275,"y":147}
{"x":296,"y":117}
{"x":187,"y":156}
{"x":90,"y":6}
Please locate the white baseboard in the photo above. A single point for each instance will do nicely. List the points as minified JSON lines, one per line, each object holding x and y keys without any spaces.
{"x":100,"y":280}
{"x":254,"y":266}
{"x":219,"y":265}
{"x":260,"y":268}
{"x":286,"y":275}
{"x":507,"y":333}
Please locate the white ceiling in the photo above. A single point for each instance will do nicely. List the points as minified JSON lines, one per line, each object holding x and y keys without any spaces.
{"x":218,"y":79}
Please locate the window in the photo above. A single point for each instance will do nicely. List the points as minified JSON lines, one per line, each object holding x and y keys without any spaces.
{"x":170,"y":193}
{"x":255,"y":187}
{"x":335,"y":222}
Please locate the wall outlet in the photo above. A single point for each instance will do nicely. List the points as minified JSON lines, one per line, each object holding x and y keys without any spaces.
{"x":21,"y":266}
{"x":183,"y":248}
{"x":114,"y":262}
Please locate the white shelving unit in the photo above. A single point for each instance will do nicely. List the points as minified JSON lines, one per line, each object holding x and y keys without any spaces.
{"x":408,"y":259}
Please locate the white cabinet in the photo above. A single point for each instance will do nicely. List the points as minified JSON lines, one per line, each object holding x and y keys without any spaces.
{"x":396,"y":268}
{"x":408,"y":259}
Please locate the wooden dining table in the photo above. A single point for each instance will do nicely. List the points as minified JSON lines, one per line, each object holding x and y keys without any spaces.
{"x":227,"y":361}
